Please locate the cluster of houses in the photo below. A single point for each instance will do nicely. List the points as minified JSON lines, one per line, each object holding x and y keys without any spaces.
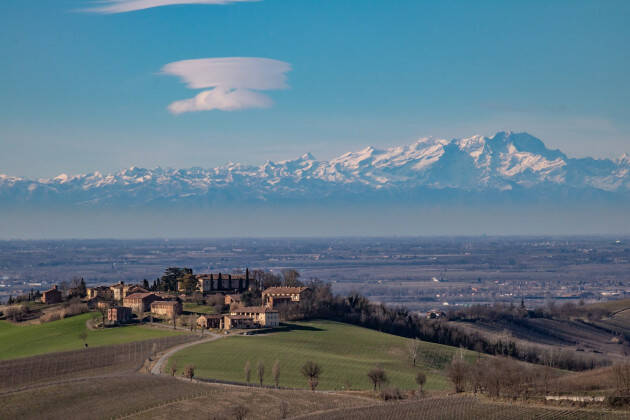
{"x":121,"y":301}
{"x":265,"y":316}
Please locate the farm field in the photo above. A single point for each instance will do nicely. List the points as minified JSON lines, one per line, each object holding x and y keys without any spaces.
{"x":198,"y":309}
{"x":462,"y":407}
{"x":345,"y":352}
{"x":162,"y":397}
{"x":63,"y":335}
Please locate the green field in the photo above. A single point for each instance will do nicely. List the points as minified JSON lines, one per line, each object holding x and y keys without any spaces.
{"x":198,"y":309}
{"x":29,"y":340}
{"x":345,"y":352}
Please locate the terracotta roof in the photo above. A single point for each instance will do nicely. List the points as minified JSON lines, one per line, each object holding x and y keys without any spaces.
{"x":252,"y":309}
{"x":207,"y":316}
{"x":165,"y":303}
{"x":238,"y":317}
{"x":139,"y":295}
{"x":284,"y":290}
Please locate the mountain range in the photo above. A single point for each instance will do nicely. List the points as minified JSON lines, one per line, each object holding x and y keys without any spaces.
{"x":504,"y":165}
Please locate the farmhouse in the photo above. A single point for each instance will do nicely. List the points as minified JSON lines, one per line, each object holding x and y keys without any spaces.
{"x":103,"y":292}
{"x":140,"y":302}
{"x":210,"y":321}
{"x":51,"y":296}
{"x":119,"y":315}
{"x":260,"y":315}
{"x":119,"y":290}
{"x":232,"y":300}
{"x":167,"y":308}
{"x":238,"y":321}
{"x":275,"y":296}
{"x":122,"y":290}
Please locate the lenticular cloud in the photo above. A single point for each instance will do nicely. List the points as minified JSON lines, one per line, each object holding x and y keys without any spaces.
{"x":122,"y":6}
{"x":235,"y":82}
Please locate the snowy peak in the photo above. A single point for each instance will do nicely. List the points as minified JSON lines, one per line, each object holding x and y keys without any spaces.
{"x":507,"y":161}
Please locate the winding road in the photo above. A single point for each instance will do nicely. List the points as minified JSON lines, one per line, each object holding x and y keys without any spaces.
{"x":157,"y":367}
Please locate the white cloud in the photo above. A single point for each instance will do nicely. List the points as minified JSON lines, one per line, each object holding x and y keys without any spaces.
{"x":234,"y":82}
{"x":121,"y":6}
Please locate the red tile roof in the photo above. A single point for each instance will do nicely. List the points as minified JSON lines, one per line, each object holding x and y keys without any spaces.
{"x":284,"y":290}
{"x":139,"y":295}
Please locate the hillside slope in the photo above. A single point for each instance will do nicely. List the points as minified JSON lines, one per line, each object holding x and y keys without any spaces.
{"x":345,"y":352}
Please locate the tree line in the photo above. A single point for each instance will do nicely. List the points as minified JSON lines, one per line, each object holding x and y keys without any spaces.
{"x":358,"y":310}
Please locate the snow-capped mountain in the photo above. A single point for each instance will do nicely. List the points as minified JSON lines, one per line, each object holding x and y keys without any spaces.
{"x":506,"y":162}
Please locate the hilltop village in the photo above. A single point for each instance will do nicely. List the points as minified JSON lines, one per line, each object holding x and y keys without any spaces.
{"x":180,"y":298}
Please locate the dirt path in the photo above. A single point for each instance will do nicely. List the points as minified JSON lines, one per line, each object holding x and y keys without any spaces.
{"x":159,"y":364}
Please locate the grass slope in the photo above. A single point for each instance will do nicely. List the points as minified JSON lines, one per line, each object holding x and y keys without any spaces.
{"x":29,"y":340}
{"x":198,"y":309}
{"x":345,"y":352}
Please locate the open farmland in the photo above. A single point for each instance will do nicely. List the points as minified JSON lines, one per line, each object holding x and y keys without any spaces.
{"x":460,"y":407}
{"x":162,"y":397}
{"x":345,"y":352}
{"x":61,"y":366}
{"x":63,"y":335}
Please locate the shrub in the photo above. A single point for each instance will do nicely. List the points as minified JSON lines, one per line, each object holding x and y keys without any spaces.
{"x":391,"y":393}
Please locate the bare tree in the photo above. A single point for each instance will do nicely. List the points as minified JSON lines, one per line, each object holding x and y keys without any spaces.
{"x":154,"y":350}
{"x":248,"y":371}
{"x":377,"y":376}
{"x":421,"y":379}
{"x":240,"y":411}
{"x":311,"y":371}
{"x":284,"y":409}
{"x":174,"y":368}
{"x":83,"y":337}
{"x":456,"y":372}
{"x":413,"y":348}
{"x":189,"y":372}
{"x":260,"y":368}
{"x":275,"y":372}
{"x":291,"y":277}
{"x":622,"y":378}
{"x":103,"y":311}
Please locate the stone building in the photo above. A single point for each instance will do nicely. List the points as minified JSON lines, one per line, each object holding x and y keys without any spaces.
{"x":140,"y":302}
{"x":261,"y":316}
{"x":238,"y":322}
{"x":221,"y":282}
{"x":119,"y":290}
{"x":122,"y":290}
{"x":119,"y":315}
{"x":166,"y":308}
{"x":232,"y":300}
{"x":210,"y":321}
{"x":103,"y":292}
{"x":275,"y":296}
{"x":51,"y":296}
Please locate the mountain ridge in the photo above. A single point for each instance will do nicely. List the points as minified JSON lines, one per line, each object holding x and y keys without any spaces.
{"x":506,"y":161}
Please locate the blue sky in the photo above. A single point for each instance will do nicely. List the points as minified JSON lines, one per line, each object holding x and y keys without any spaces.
{"x":85,"y":91}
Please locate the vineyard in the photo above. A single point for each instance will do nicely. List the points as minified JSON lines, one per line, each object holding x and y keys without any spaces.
{"x":161,"y":397}
{"x":460,"y":407}
{"x":129,"y":356}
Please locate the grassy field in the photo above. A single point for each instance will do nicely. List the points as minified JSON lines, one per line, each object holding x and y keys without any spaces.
{"x":345,"y":352}
{"x":198,"y":309}
{"x":29,"y":340}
